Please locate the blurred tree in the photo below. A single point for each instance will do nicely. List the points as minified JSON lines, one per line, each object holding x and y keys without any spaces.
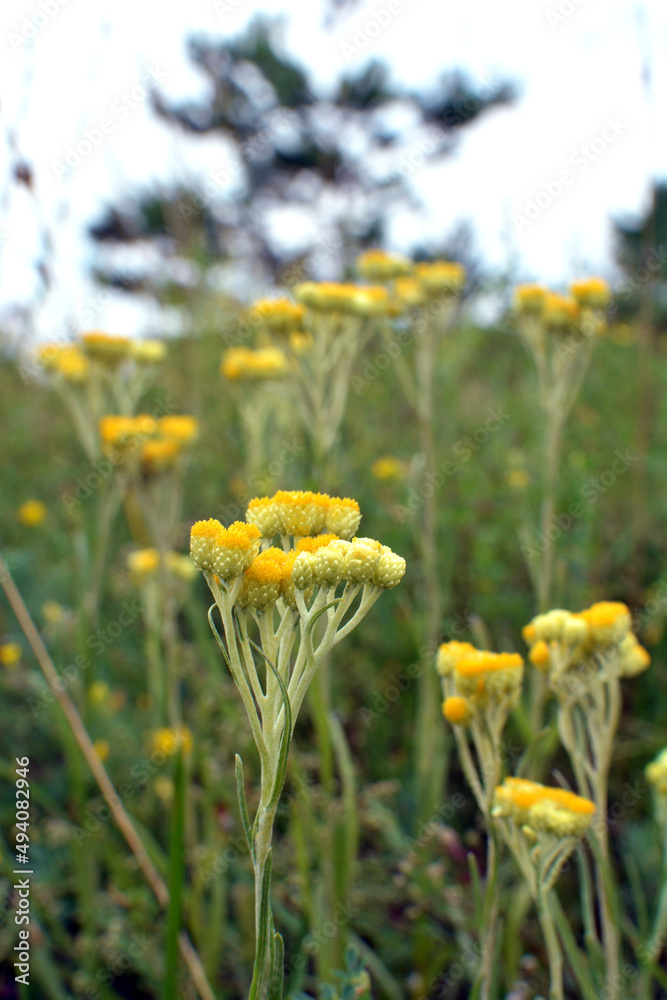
{"x":306,"y":179}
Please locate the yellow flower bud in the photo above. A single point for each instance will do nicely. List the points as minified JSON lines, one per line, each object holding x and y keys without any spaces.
{"x":457,"y":710}
{"x":31,"y":513}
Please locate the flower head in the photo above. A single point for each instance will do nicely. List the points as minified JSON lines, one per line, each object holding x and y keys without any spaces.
{"x":378,"y":265}
{"x":482,"y":676}
{"x":593,"y":293}
{"x":143,"y":563}
{"x":263,"y":579}
{"x":449,"y":655}
{"x":169,"y":740}
{"x":31,"y":513}
{"x":245,"y":363}
{"x":148,"y":352}
{"x":183,"y":429}
{"x":441,"y":276}
{"x":543,"y":809}
{"x":10,"y":654}
{"x":300,"y":512}
{"x":64,"y":359}
{"x":530,"y":298}
{"x":560,"y":311}
{"x":125,"y":432}
{"x":227,"y":552}
{"x":331,"y":296}
{"x":656,"y":773}
{"x":279,"y":315}
{"x":106,"y":347}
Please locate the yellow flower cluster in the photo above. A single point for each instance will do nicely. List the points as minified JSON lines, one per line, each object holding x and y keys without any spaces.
{"x":160,"y":442}
{"x":331,"y":296}
{"x":66,"y":360}
{"x":144,"y":563}
{"x":479,"y":678}
{"x":378,"y":265}
{"x":169,"y":740}
{"x":72,"y":361}
{"x":543,"y":809}
{"x":562,"y":311}
{"x":317,"y":560}
{"x":561,"y":639}
{"x":441,"y":276}
{"x":279,"y":315}
{"x":106,"y":347}
{"x":246,"y":363}
{"x":299,"y":512}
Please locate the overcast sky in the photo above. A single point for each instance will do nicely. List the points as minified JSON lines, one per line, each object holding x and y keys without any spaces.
{"x":539,"y":180}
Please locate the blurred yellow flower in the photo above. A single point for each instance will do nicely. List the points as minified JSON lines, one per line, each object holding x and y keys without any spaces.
{"x":169,"y":740}
{"x":148,"y":351}
{"x":102,"y":748}
{"x":142,"y":563}
{"x":98,"y":692}
{"x":53,"y":612}
{"x":387,"y":467}
{"x":10,"y":654}
{"x":106,"y":347}
{"x":164,"y":789}
{"x":183,"y":428}
{"x":161,"y":454}
{"x":378,"y":265}
{"x":243,"y":362}
{"x":31,"y":513}
{"x":518,"y":479}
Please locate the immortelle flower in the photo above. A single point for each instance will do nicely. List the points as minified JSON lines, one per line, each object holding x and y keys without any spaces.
{"x":332,"y":296}
{"x":300,"y":512}
{"x":143,"y":563}
{"x":269,"y":602}
{"x":541,"y":808}
{"x":10,"y":654}
{"x":560,"y":311}
{"x":64,"y":359}
{"x":280,"y":316}
{"x":441,"y":276}
{"x":31,"y":513}
{"x":530,"y":298}
{"x":169,"y":740}
{"x":124,"y":432}
{"x":378,"y":265}
{"x":148,"y":352}
{"x":246,"y":363}
{"x":105,"y":347}
{"x":584,"y":656}
{"x":593,"y":293}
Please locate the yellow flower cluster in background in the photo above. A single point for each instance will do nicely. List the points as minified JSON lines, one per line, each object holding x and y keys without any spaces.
{"x":279,"y":315}
{"x":248,"y":363}
{"x":72,"y":360}
{"x":10,"y":654}
{"x":558,"y":311}
{"x":543,"y":809}
{"x":169,"y":740}
{"x":479,"y":678}
{"x":561,"y":639}
{"x":332,"y":296}
{"x":299,"y":512}
{"x":158,"y":442}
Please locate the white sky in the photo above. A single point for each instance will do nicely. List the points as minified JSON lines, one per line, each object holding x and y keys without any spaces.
{"x":579,"y":65}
